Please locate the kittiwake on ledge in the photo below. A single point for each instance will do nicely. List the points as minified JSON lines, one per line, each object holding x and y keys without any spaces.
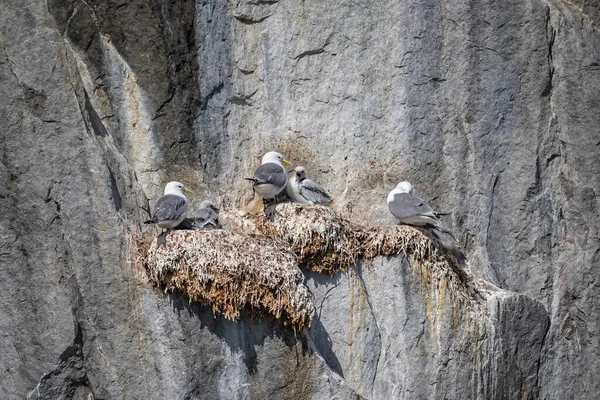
{"x":270,"y":178}
{"x":411,"y":209}
{"x":303,"y":190}
{"x":170,"y":209}
{"x":204,"y":218}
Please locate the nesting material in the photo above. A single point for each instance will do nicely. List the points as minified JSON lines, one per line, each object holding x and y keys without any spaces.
{"x":238,"y":222}
{"x":254,"y":264}
{"x":324,"y":241}
{"x":320,"y":238}
{"x":390,"y":240}
{"x":422,"y":249}
{"x":230,"y":271}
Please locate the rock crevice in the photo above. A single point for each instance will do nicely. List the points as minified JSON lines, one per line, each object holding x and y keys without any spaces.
{"x":103,"y":102}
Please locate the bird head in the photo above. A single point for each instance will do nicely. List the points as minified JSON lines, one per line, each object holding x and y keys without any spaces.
{"x":209,"y":204}
{"x":300,"y":173}
{"x":176,"y":188}
{"x":404,"y":187}
{"x":275,"y":157}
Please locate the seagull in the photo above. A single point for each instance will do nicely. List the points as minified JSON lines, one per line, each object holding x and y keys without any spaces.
{"x":411,"y":209}
{"x":303,"y":190}
{"x":270,"y":178}
{"x":171,"y":209}
{"x":206,"y":217}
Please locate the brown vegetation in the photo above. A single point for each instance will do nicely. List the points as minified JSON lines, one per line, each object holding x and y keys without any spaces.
{"x":230,"y":271}
{"x":255,"y":263}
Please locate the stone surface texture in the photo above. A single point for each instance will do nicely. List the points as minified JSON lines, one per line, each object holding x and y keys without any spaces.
{"x":490,"y":110}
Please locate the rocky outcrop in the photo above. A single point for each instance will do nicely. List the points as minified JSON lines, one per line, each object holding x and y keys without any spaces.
{"x":489,"y":110}
{"x":389,"y":346}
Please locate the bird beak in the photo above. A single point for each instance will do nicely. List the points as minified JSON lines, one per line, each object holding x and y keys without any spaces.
{"x":188,"y":190}
{"x":287,"y":163}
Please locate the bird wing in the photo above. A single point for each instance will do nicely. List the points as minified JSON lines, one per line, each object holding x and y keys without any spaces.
{"x":312,"y":191}
{"x":407,"y":205}
{"x":270,"y":173}
{"x":206,"y":218}
{"x":170,"y":208}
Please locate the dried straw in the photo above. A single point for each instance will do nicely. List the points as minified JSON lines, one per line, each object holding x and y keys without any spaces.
{"x":324,"y":241}
{"x":255,"y":264}
{"x":230,"y":271}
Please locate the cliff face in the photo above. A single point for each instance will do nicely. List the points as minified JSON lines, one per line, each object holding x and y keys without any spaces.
{"x":490,"y":110}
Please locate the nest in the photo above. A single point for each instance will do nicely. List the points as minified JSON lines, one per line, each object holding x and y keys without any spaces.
{"x":231,"y":271}
{"x":254,"y":264}
{"x":391,"y":240}
{"x":324,"y":241}
{"x":320,"y":238}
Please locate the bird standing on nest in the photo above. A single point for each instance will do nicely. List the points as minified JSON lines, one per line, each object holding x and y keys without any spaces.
{"x":411,"y":209}
{"x":303,"y":190}
{"x":170,"y":209}
{"x":270,"y":178}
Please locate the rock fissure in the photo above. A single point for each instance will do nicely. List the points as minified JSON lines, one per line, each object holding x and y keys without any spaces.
{"x":159,"y":87}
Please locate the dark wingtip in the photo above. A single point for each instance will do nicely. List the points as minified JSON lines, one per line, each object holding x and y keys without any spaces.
{"x":250,"y":179}
{"x":149,"y":222}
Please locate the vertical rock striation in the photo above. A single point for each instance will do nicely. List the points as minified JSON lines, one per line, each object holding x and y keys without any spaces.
{"x":489,"y":109}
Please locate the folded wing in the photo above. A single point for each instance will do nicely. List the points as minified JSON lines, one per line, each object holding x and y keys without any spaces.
{"x":406,"y":205}
{"x":170,"y":208}
{"x":270,"y":174}
{"x":312,"y":191}
{"x":205,"y":218}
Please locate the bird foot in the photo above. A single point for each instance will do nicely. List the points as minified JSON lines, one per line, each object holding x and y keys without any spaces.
{"x":161,"y":240}
{"x":269,"y":210}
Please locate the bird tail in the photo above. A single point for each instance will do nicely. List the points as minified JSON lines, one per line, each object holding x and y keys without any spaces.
{"x":458,"y":261}
{"x":439,"y":214}
{"x":150,"y":221}
{"x":451,"y":246}
{"x":251,"y":179}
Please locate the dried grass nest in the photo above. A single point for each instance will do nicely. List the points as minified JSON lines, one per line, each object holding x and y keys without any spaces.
{"x":326,"y":242}
{"x":255,"y":263}
{"x":230,"y":271}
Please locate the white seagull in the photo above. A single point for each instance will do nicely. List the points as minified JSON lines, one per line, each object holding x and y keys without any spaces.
{"x":170,"y":209}
{"x":270,"y":178}
{"x":303,"y":190}
{"x":411,"y":209}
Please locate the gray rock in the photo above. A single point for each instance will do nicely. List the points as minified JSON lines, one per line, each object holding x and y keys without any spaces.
{"x":491,"y":110}
{"x":387,"y":345}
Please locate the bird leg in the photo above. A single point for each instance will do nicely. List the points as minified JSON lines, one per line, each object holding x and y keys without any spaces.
{"x":269,"y":208}
{"x":161,"y":240}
